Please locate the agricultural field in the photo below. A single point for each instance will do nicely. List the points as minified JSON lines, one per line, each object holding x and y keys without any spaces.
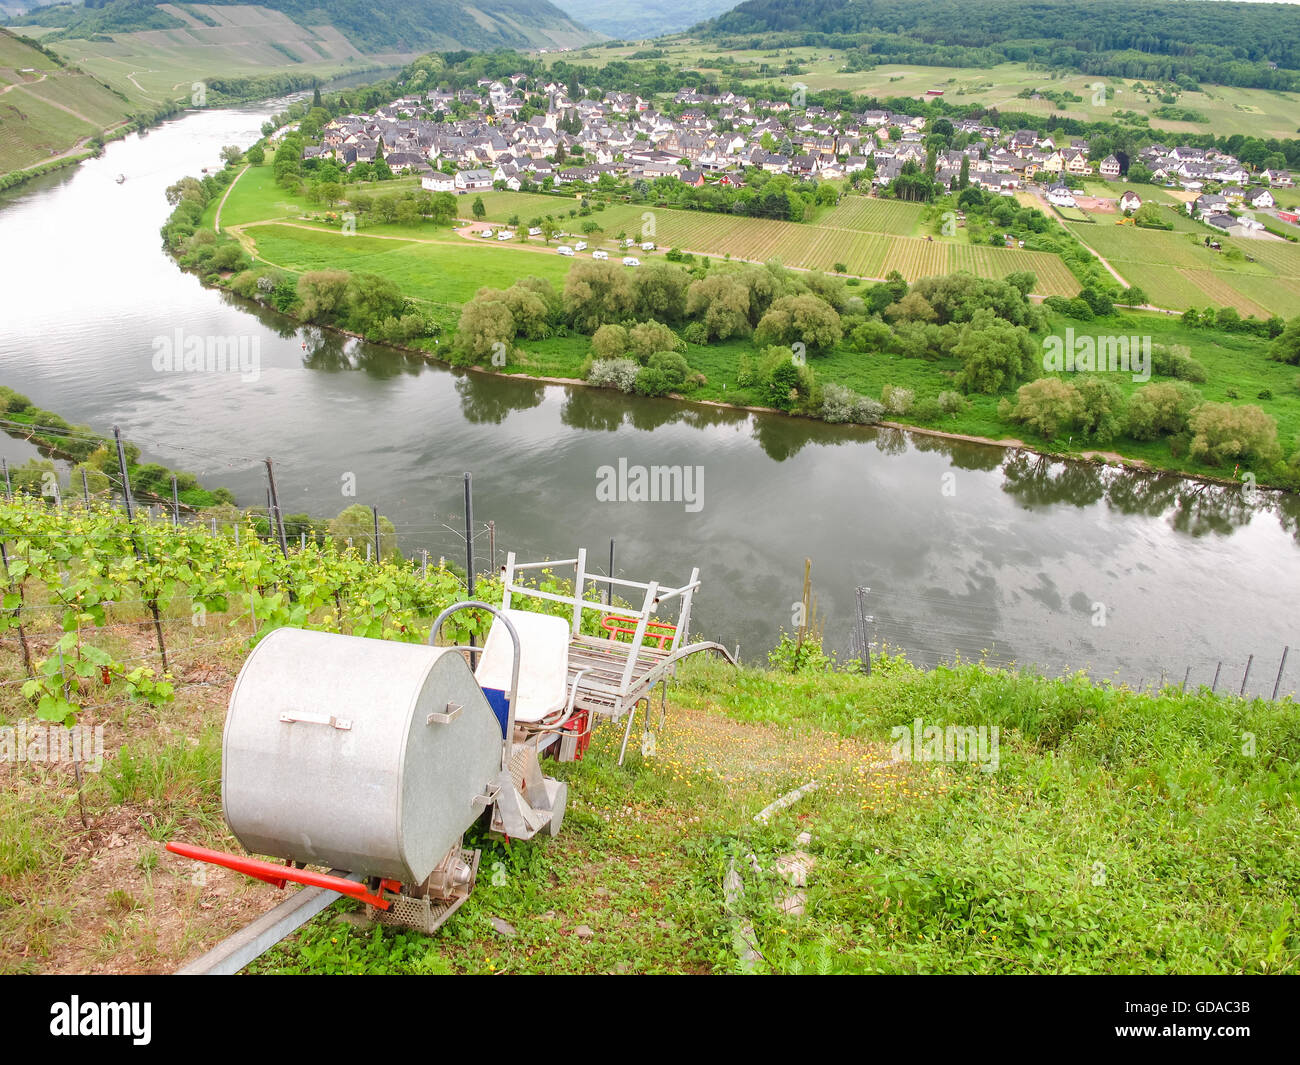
{"x":1178,"y":271}
{"x":46,"y":109}
{"x":813,"y":246}
{"x":1229,"y":110}
{"x":874,"y":215}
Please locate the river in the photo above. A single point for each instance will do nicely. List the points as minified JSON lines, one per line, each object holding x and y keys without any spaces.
{"x":965,"y":548}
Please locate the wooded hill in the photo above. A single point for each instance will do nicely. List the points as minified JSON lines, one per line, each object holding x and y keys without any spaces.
{"x":371,"y":25}
{"x":1203,"y":40}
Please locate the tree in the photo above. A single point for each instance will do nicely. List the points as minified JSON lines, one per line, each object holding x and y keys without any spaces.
{"x":721,"y":302}
{"x":1160,"y":408}
{"x":1048,"y":406}
{"x":646,"y":338}
{"x":609,"y":342}
{"x":256,"y":155}
{"x":995,"y":355}
{"x":660,"y":291}
{"x":1286,"y":346}
{"x":596,"y":293}
{"x":322,"y":294}
{"x":479,"y":208}
{"x":231,"y":154}
{"x":1223,"y":432}
{"x":357,"y":523}
{"x":804,"y":319}
{"x":1102,"y":416}
{"x":548,"y":230}
{"x":485,"y":321}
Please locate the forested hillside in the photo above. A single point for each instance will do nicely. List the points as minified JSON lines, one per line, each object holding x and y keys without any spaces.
{"x":1225,"y":43}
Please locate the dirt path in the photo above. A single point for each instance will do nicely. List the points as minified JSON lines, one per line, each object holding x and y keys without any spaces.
{"x":21,"y":84}
{"x":216,"y":218}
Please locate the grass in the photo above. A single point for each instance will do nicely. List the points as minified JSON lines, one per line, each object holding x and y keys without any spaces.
{"x":1119,"y":833}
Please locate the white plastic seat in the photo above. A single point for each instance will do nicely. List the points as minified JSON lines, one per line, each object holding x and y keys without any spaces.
{"x":543,"y":663}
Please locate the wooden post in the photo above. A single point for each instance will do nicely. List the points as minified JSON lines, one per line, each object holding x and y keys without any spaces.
{"x":1186,"y":674}
{"x":1280,"y":666}
{"x":424,"y":564}
{"x":22,"y":634}
{"x":803,"y":614}
{"x":176,"y":504}
{"x":126,"y":479}
{"x":1246,"y":676}
{"x":277,"y":518}
{"x":1216,"y":677}
{"x":374,"y":511}
{"x":85,"y":487}
{"x":9,"y":490}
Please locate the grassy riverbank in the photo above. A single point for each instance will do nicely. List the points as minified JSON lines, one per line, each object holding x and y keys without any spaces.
{"x":439,"y":267}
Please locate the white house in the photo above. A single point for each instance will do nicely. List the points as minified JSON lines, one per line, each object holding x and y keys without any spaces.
{"x":438,"y":183}
{"x":471,"y":180}
{"x":1130,"y":201}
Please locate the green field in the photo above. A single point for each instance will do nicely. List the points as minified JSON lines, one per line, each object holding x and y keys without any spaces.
{"x":1178,"y":271}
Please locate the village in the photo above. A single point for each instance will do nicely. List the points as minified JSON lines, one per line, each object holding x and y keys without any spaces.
{"x":521,"y":135}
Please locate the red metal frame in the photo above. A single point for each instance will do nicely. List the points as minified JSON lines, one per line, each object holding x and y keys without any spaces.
{"x":615,"y":624}
{"x":279,"y":875}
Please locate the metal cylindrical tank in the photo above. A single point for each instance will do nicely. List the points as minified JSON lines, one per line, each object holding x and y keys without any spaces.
{"x":359,"y":754}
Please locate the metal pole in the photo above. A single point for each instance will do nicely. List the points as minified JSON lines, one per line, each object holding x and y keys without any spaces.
{"x":1187,"y":674}
{"x":1246,"y":676}
{"x":424,"y":564}
{"x":126,"y":479}
{"x":9,"y":490}
{"x":492,"y":543}
{"x":609,"y":588}
{"x":85,"y":487}
{"x":374,"y":511}
{"x":469,"y":535}
{"x":176,"y":504}
{"x":274,"y":500}
{"x":1216,"y":677}
{"x":1280,"y":666}
{"x":302,"y":541}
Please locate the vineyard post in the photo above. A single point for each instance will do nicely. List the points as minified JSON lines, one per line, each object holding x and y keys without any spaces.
{"x":176,"y":504}
{"x":278,"y":518}
{"x":22,"y":635}
{"x":609,"y":588}
{"x":9,"y":491}
{"x":1280,"y":666}
{"x":126,"y":478}
{"x":469,"y":541}
{"x":374,"y":513}
{"x":424,"y":564}
{"x":1246,"y":676}
{"x":492,"y":543}
{"x":85,"y":487}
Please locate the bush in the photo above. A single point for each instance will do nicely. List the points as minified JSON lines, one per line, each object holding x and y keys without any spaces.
{"x":897,"y":400}
{"x":841,"y":404}
{"x":1176,"y":361}
{"x":696,"y":333}
{"x":614,"y":373}
{"x":1048,"y":406}
{"x":952,"y":402}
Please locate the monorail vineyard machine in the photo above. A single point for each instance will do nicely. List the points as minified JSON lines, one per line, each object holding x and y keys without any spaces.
{"x":372,"y":758}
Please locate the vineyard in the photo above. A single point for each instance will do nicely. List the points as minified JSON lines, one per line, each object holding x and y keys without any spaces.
{"x":1178,"y":271}
{"x":863,"y":235}
{"x":75,"y":579}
